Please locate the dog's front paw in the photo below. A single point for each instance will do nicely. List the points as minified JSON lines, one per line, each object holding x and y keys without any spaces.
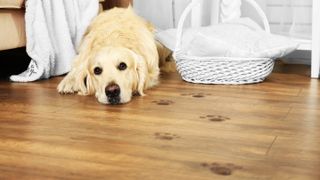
{"x":66,"y":86}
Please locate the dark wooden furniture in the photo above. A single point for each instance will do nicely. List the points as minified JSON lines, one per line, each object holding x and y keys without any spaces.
{"x":116,"y":3}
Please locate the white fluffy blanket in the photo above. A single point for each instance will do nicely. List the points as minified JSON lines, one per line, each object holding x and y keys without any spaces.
{"x":54,"y":29}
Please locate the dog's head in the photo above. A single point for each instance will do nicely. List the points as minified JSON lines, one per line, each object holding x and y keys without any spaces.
{"x":114,"y":74}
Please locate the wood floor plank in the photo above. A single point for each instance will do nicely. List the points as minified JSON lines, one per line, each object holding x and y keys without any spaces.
{"x":178,"y":131}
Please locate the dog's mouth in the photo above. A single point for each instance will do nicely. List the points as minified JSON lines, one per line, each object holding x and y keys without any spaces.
{"x":114,"y":100}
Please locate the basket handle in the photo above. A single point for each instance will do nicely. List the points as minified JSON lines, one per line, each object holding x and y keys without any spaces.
{"x":195,"y":3}
{"x":262,"y":15}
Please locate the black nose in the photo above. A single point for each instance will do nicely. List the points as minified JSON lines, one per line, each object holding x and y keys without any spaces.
{"x":113,"y":93}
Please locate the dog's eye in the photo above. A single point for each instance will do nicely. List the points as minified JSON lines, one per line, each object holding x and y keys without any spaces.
{"x":97,"y":70}
{"x":122,"y":66}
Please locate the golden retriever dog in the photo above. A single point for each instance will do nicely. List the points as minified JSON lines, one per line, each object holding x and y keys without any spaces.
{"x":118,"y":57}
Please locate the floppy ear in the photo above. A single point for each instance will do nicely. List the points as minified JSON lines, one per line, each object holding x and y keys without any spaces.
{"x":82,"y":82}
{"x":88,"y":84}
{"x":85,"y":79}
{"x":78,"y":79}
{"x":141,"y":68}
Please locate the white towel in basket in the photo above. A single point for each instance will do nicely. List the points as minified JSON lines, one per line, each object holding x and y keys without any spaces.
{"x":239,"y":38}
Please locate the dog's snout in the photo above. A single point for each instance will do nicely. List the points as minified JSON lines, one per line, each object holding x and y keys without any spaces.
{"x":112,"y":90}
{"x":113,"y":93}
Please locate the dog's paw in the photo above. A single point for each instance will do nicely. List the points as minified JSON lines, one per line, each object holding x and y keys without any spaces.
{"x":66,"y":87}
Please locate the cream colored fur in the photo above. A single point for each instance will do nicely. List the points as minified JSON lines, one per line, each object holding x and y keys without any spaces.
{"x":115,"y":36}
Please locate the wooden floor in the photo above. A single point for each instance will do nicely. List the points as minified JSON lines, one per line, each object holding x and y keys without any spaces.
{"x":179,"y":131}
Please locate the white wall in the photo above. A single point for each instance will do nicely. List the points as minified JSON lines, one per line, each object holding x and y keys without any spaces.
{"x":292,"y":17}
{"x":279,"y":12}
{"x":161,"y":13}
{"x":283,"y":13}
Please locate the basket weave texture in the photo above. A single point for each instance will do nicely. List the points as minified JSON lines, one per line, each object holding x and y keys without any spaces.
{"x":223,"y":71}
{"x":220,"y":70}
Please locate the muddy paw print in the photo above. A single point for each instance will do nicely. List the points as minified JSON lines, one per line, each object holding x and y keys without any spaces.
{"x":163,"y":102}
{"x":196,"y":95}
{"x":221,"y":169}
{"x":166,"y":136}
{"x":215,"y":118}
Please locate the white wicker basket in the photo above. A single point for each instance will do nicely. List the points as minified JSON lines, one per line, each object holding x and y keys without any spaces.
{"x":221,"y":70}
